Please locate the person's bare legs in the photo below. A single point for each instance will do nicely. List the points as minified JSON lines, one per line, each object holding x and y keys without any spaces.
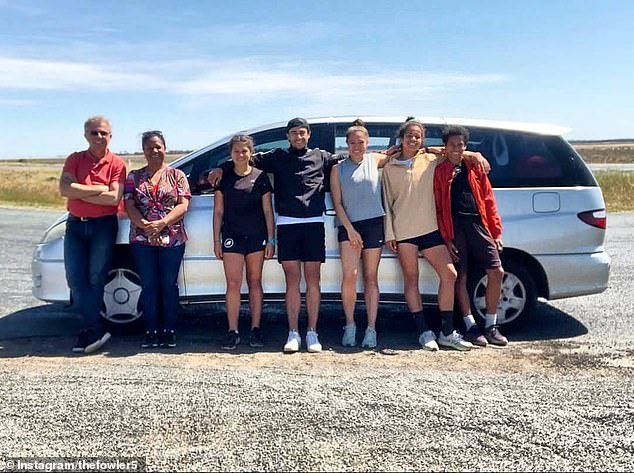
{"x":350,"y":270}
{"x":408,"y":258}
{"x":292,"y":274}
{"x":312,"y":275}
{"x":233,"y":264}
{"x":439,"y":258}
{"x":462,"y":294}
{"x":370,"y":259}
{"x":494,"y":288}
{"x":254,"y":263}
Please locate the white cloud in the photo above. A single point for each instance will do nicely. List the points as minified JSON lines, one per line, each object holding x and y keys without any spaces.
{"x":239,"y":79}
{"x":17,"y":102}
{"x":52,"y":75}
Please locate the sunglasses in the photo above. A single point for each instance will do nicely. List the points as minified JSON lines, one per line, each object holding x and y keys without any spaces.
{"x":100,"y":133}
{"x":148,"y":134}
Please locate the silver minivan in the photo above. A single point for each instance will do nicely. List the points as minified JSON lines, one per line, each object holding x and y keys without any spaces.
{"x":551,"y":206}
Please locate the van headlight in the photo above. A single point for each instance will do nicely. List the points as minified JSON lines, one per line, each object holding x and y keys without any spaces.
{"x":55,"y":232}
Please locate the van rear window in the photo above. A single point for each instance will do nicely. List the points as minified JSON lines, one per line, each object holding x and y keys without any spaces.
{"x":530,"y":160}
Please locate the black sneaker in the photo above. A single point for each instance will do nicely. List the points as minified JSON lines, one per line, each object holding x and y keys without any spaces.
{"x":168,"y":339}
{"x":474,"y":335}
{"x":232,"y":341}
{"x":151,"y":340}
{"x":255,"y":338}
{"x":82,"y":342}
{"x":97,"y":339}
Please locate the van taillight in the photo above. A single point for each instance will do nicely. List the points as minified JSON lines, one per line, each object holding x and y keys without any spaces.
{"x":595,"y":218}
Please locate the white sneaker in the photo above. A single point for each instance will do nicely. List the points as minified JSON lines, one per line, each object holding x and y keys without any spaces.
{"x":294,"y":342}
{"x":369,"y":340}
{"x":427,"y":340}
{"x":312,"y":342}
{"x":454,"y":340}
{"x":349,"y":336}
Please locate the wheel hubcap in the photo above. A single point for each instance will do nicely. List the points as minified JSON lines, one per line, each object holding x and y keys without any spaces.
{"x":121,"y":296}
{"x":512,"y":298}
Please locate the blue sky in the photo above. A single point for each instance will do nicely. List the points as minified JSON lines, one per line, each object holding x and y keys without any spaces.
{"x":199,"y":70}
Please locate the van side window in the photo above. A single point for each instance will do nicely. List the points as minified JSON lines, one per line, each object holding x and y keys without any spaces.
{"x":381,"y":137}
{"x":197,"y":169}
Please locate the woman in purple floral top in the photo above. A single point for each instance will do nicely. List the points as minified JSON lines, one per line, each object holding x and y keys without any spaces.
{"x":156,"y":199}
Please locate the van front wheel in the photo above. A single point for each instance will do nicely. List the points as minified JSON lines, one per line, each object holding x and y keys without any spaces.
{"x":517,"y":299}
{"x":121,"y":298}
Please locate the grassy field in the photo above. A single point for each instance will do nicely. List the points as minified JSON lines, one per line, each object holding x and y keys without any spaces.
{"x":618,"y":189}
{"x":608,"y":153}
{"x":33,"y":183}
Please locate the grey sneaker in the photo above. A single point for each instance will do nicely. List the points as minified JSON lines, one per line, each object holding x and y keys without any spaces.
{"x":427,"y":340}
{"x":312,"y":342}
{"x":349,"y":336}
{"x":454,"y":340}
{"x":369,"y":340}
{"x":293,"y":343}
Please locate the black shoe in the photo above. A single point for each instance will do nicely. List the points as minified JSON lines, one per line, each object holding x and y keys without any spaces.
{"x":494,"y":337}
{"x":232,"y":341}
{"x":168,"y":339}
{"x":475,"y":337}
{"x":96,"y":339}
{"x":255,"y":338}
{"x":82,"y":342}
{"x":151,"y":340}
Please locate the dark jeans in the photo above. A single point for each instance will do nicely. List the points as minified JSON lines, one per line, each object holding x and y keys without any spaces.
{"x":158,"y":268}
{"x":88,"y":249}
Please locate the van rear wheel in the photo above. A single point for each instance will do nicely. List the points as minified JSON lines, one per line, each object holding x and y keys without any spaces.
{"x":517,"y":299}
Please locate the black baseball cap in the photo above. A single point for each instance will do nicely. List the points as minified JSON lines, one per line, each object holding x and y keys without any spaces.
{"x":297,"y":121}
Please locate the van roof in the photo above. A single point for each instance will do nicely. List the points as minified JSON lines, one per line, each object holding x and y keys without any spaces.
{"x":539,"y":128}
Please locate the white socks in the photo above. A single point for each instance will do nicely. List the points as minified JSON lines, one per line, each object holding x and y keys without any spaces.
{"x":491,"y":319}
{"x":469,"y":321}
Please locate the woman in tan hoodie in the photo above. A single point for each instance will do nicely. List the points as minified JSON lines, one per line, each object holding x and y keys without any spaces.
{"x":411,"y":227}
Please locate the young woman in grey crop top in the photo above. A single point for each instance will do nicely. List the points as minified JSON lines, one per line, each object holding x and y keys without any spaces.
{"x":356,"y":194}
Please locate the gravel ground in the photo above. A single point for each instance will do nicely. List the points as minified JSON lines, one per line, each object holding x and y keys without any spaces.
{"x":559,"y":398}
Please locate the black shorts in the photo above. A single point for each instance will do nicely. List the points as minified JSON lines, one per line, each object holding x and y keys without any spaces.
{"x":426,"y":241}
{"x":371,"y":231}
{"x":243,"y":245}
{"x":301,"y":242}
{"x":474,"y":245}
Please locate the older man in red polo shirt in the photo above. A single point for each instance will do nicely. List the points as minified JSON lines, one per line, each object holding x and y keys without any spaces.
{"x":92,"y":181}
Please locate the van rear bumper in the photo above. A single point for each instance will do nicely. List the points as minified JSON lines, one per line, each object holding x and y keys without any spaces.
{"x":576,"y":274}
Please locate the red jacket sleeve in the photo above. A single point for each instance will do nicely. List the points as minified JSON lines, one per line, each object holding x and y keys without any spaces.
{"x":443,"y":206}
{"x":492,"y":216}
